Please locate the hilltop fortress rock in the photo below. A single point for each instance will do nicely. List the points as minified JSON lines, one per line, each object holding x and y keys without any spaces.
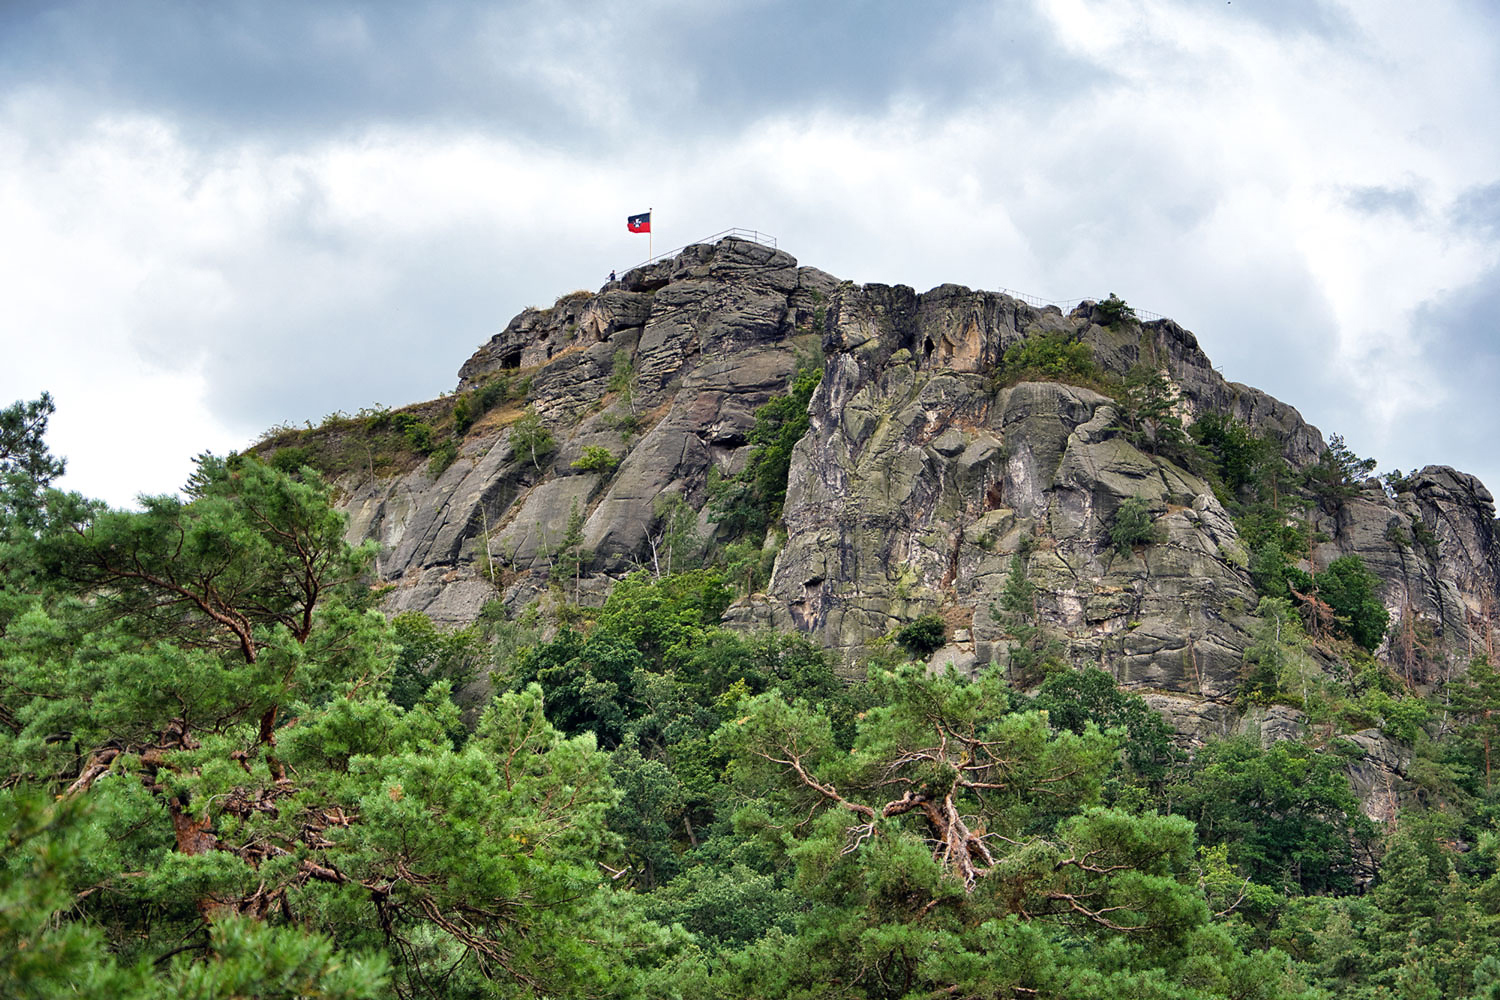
{"x":920,"y":479}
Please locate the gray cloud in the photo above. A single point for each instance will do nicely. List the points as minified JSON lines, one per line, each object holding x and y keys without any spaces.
{"x":1477,"y":210}
{"x":285,"y":69}
{"x":581,"y":75}
{"x":1376,"y":200}
{"x":859,"y":57}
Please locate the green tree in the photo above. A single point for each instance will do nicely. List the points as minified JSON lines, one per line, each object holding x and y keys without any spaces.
{"x":1018,"y":596}
{"x":950,"y":753}
{"x":1132,"y":525}
{"x":475,"y":866}
{"x":1074,"y":699}
{"x":1286,"y":813}
{"x":1475,"y":699}
{"x":674,"y":535}
{"x":653,"y":802}
{"x":1353,"y":592}
{"x":429,"y":654}
{"x":238,"y":571}
{"x":50,"y":846}
{"x":956,"y":851}
{"x":725,"y":906}
{"x":1248,"y":463}
{"x":590,"y":682}
{"x":570,"y":554}
{"x":622,"y":379}
{"x":1338,"y":474}
{"x":1425,"y":929}
{"x":922,"y":636}
{"x":1148,"y":411}
{"x":1277,"y":660}
{"x":748,"y":562}
{"x":1113,"y":311}
{"x":596,"y":458}
{"x":1035,"y":650}
{"x":206,"y":791}
{"x":529,"y":437}
{"x":659,"y":616}
{"x":27,"y":468}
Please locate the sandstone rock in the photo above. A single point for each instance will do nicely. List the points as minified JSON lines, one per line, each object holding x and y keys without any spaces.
{"x":920,"y":480}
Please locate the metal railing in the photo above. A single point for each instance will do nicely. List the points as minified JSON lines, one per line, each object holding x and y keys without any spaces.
{"x":753,"y":235}
{"x":1067,"y":305}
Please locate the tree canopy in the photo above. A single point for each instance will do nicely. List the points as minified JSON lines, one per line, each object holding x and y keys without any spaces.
{"x":224,"y":774}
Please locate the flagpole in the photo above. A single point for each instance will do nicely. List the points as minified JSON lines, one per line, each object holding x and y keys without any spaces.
{"x":649,"y":252}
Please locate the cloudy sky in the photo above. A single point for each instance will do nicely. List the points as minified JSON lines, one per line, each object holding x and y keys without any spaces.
{"x":219,"y":217}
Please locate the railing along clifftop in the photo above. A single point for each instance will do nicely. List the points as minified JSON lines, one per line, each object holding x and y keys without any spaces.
{"x":752,"y":235}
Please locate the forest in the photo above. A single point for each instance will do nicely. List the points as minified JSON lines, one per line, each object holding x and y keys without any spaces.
{"x":225,"y":773}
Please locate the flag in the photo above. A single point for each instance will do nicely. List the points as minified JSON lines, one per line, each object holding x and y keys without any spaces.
{"x":639,"y":223}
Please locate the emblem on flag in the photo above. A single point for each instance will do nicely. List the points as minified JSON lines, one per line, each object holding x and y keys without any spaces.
{"x":639,"y":223}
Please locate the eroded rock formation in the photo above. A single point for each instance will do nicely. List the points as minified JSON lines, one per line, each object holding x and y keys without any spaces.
{"x":919,"y":481}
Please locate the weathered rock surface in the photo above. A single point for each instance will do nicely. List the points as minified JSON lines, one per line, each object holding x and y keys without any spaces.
{"x":710,"y":335}
{"x":920,"y":481}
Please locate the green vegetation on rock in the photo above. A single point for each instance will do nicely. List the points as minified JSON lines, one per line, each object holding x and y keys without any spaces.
{"x":749,"y":503}
{"x":922,"y":636}
{"x":1049,"y":357}
{"x":1132,"y":526}
{"x":1113,"y":311}
{"x":596,"y":458}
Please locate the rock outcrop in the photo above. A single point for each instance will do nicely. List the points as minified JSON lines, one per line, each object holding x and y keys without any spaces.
{"x":707,"y":337}
{"x":920,"y":481}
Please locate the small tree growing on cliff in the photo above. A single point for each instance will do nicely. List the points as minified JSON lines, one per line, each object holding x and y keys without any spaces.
{"x":1475,"y":699}
{"x":1113,"y":311}
{"x":596,"y":458}
{"x":622,"y":379}
{"x":1133,"y":526}
{"x":1147,"y":411}
{"x":923,"y":636}
{"x":1036,"y":652}
{"x":1354,"y":594}
{"x":529,"y":436}
{"x":750,"y":502}
{"x":675,"y":536}
{"x":1338,"y":474}
{"x":1249,"y":464}
{"x":571,"y":555}
{"x":1049,"y":357}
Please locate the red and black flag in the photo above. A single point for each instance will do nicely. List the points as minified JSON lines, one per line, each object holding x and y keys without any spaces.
{"x":639,"y":223}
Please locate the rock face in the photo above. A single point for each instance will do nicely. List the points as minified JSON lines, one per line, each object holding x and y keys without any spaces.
{"x":706,"y":338}
{"x":1434,"y":546}
{"x":919,"y":485}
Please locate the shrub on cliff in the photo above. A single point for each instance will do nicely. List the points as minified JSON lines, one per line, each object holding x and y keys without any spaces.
{"x":596,"y":458}
{"x":1113,"y":311}
{"x":1133,"y":526}
{"x":750,"y":502}
{"x":1049,"y":357}
{"x":923,"y":636}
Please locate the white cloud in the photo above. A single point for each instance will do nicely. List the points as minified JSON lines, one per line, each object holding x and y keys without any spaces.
{"x":178,"y":292}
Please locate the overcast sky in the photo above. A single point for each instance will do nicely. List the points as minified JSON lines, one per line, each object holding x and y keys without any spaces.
{"x":216,"y":217}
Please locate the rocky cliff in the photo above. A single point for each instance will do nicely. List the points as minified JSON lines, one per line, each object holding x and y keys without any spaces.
{"x":920,"y":479}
